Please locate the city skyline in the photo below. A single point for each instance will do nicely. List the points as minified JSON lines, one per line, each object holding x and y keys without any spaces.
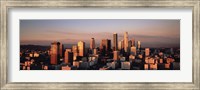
{"x":151,"y":33}
{"x":123,"y":55}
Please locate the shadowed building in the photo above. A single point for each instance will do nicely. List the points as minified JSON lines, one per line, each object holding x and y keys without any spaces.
{"x":61,"y":50}
{"x":68,"y":57}
{"x":105,"y":45}
{"x":92,"y":43}
{"x":55,"y":50}
{"x":129,"y":46}
{"x":122,"y":44}
{"x":133,"y":42}
{"x":115,"y":42}
{"x":147,"y":52}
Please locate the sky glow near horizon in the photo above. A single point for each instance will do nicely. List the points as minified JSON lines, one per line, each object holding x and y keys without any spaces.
{"x":151,"y":32}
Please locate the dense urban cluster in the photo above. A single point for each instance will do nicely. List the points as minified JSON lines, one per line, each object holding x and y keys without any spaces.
{"x":126,"y":54}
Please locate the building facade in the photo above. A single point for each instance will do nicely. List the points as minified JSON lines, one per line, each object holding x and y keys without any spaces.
{"x":81,"y":48}
{"x":126,"y":41}
{"x":105,"y":44}
{"x":68,"y":57}
{"x":55,"y":53}
{"x":115,"y":42}
{"x":92,"y":43}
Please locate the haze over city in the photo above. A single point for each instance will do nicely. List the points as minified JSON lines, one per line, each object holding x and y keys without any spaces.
{"x":151,"y":33}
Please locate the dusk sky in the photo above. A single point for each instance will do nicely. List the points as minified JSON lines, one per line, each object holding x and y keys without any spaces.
{"x":151,"y":33}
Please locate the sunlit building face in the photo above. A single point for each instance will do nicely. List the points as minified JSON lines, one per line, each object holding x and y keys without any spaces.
{"x":55,"y":52}
{"x":126,"y":41}
{"x":138,"y":45}
{"x":81,"y":48}
{"x":115,"y":55}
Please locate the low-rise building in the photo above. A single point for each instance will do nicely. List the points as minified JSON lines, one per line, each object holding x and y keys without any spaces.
{"x":126,"y":65}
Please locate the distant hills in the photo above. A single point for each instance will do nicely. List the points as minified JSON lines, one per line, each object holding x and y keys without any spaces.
{"x":34,"y":47}
{"x":41,"y":47}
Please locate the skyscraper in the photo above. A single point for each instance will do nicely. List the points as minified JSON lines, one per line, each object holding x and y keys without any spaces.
{"x":119,"y":45}
{"x":105,"y":44}
{"x":130,"y":43}
{"x":55,"y":53}
{"x":68,"y":57}
{"x":129,"y":46}
{"x":75,"y":51}
{"x":115,"y":41}
{"x":81,"y":48}
{"x":95,"y":51}
{"x":122,"y":44}
{"x":126,"y":41}
{"x":92,"y":43}
{"x":138,"y":45}
{"x":69,"y":50}
{"x":133,"y":50}
{"x":115,"y":55}
{"x":133,"y":41}
{"x":147,"y":52}
{"x":61,"y":50}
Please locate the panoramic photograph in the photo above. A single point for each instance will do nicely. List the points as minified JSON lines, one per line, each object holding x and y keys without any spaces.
{"x":99,"y":44}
